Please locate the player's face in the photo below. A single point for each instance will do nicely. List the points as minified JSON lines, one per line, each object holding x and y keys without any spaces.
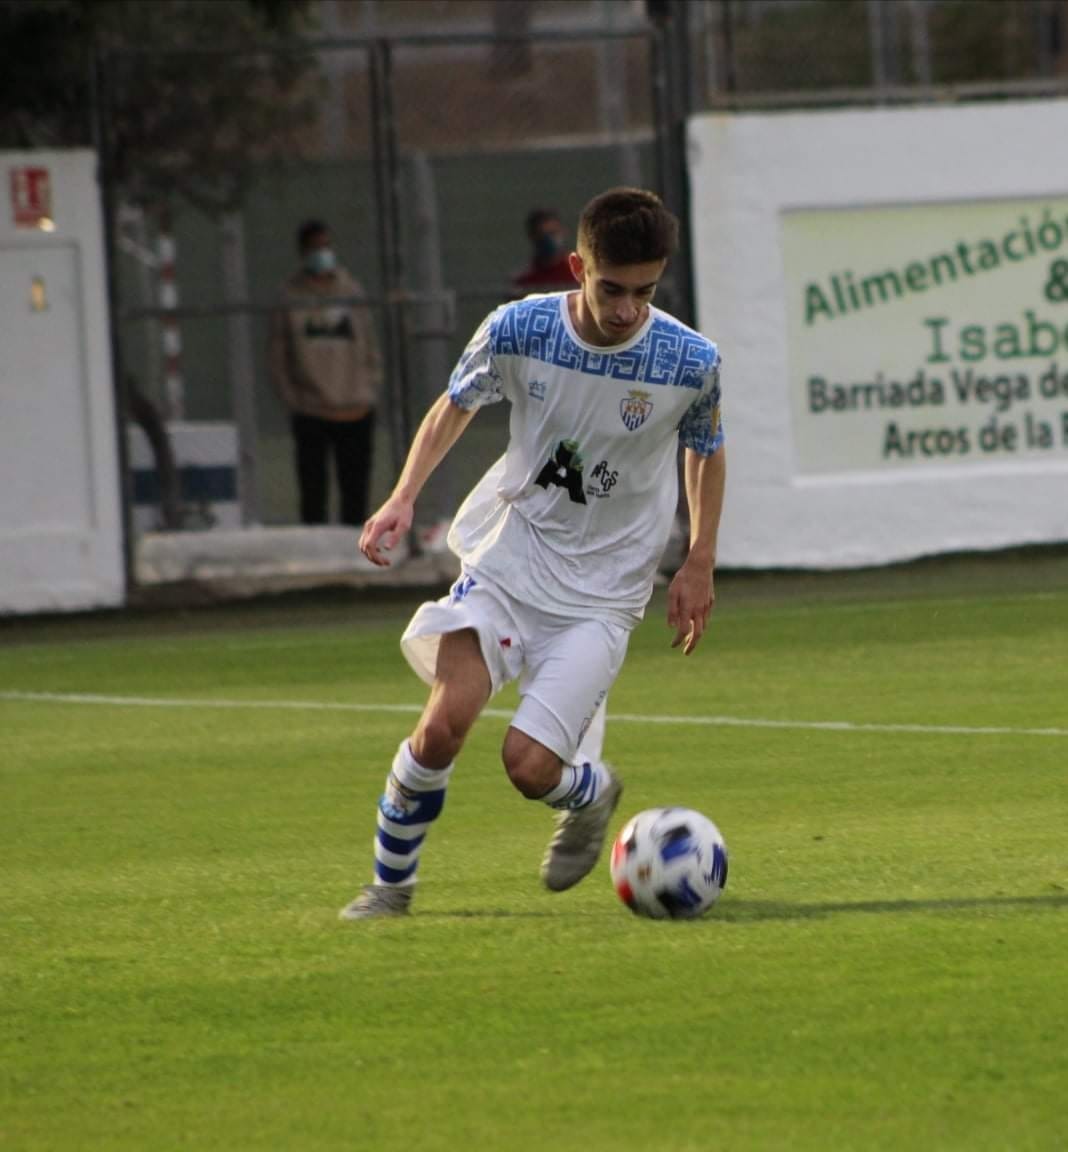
{"x":613,"y":299}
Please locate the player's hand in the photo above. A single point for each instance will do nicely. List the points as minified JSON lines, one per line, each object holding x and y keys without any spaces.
{"x":385,"y":528}
{"x":691,"y":596}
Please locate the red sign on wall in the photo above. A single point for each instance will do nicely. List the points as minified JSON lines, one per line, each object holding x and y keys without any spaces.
{"x":31,"y":198}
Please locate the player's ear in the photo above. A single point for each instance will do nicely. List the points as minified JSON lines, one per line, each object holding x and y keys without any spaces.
{"x":575,"y":263}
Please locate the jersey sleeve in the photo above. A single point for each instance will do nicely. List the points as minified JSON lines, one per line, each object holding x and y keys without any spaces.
{"x":702,"y":428}
{"x":476,"y":379}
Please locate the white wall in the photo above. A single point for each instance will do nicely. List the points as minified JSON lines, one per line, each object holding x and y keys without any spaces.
{"x":60,"y":521}
{"x":786,"y":201}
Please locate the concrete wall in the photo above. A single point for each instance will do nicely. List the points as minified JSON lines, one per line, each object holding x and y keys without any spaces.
{"x":60,"y":521}
{"x":890,"y":292}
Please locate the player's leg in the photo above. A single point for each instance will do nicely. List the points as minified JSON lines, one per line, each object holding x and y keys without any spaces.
{"x":585,"y":793}
{"x":562,"y":711}
{"x":415,"y":787}
{"x":459,"y":693}
{"x":466,"y":647}
{"x":540,"y":774}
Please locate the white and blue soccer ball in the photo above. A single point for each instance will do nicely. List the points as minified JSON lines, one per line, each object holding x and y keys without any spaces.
{"x":669,"y":863}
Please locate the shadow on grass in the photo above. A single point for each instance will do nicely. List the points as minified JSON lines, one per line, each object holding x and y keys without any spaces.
{"x":751,"y":911}
{"x":490,"y":914}
{"x":745,"y":911}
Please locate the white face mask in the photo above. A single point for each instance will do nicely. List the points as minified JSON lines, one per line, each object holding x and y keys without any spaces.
{"x":320,"y":261}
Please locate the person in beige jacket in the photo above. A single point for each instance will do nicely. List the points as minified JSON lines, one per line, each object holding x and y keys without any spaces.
{"x":326,"y":366}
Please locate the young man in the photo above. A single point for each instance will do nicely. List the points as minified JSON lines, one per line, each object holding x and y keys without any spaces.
{"x":325,"y":363}
{"x":560,"y":539}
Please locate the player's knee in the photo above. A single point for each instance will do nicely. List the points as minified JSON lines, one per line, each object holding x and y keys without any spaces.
{"x":532,"y":768}
{"x":437,"y":741}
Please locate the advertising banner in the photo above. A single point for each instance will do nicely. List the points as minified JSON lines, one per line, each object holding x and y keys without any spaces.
{"x":889,"y":291}
{"x":925,"y":335}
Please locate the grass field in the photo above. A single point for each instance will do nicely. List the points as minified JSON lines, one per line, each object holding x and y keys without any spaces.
{"x":187,"y":798}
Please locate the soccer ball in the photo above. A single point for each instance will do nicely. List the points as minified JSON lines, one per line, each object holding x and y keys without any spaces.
{"x":669,"y":862}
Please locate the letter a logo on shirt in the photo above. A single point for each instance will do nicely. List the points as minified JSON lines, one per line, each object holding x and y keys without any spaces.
{"x":635,"y":409}
{"x":564,"y":470}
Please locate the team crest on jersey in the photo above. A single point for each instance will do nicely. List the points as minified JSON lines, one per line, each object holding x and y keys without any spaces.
{"x":635,"y":409}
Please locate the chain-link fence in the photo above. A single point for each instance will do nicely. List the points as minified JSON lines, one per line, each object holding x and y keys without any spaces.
{"x":783,"y":52}
{"x":423,"y":133}
{"x":424,"y":156}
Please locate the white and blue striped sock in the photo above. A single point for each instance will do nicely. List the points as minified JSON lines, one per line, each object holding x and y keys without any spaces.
{"x":413,"y":799}
{"x":580,"y":784}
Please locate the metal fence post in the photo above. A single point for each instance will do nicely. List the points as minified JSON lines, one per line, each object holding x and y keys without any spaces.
{"x":384,"y":152}
{"x":671,"y":87}
{"x":104,"y":147}
{"x":877,"y":44}
{"x":428,"y":356}
{"x":242,"y":373}
{"x":611,"y":94}
{"x":921,"y":42}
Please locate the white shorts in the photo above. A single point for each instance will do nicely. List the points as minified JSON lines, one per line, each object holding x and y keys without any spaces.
{"x":565,"y":665}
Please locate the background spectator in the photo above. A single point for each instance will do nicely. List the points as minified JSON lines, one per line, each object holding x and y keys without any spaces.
{"x":548,"y":270}
{"x":326,"y":365}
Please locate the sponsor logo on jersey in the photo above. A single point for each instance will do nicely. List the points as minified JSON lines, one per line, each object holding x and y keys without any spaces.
{"x":634,"y":409}
{"x":564,"y":470}
{"x":536,"y":389}
{"x":603,"y":479}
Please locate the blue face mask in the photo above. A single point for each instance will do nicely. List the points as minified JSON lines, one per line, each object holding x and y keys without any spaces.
{"x":548,"y":245}
{"x":320,"y":261}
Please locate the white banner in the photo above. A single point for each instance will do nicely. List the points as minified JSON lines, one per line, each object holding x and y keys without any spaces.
{"x":61,"y":543}
{"x":889,"y":290}
{"x":928,"y":335}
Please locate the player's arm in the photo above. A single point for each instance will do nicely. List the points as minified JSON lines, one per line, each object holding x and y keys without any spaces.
{"x":691,"y":594}
{"x":439,"y":431}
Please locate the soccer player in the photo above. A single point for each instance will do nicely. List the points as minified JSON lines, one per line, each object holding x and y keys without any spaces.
{"x":559,"y":541}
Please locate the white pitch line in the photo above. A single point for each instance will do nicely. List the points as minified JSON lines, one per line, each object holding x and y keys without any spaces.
{"x":616,"y":717}
{"x":179,"y":702}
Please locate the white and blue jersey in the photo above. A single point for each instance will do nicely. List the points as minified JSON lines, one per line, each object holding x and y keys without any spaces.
{"x":574,"y":517}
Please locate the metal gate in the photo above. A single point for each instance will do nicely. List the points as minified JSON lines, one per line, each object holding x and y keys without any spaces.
{"x":424,"y":153}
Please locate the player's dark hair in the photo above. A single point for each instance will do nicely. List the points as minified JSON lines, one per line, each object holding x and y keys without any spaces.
{"x":308,"y":230}
{"x":627,"y":226}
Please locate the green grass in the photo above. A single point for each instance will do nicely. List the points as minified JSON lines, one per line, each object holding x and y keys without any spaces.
{"x":886,"y":969}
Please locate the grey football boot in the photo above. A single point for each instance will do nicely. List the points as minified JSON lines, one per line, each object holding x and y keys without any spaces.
{"x":378,"y":901}
{"x":579,"y":838}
